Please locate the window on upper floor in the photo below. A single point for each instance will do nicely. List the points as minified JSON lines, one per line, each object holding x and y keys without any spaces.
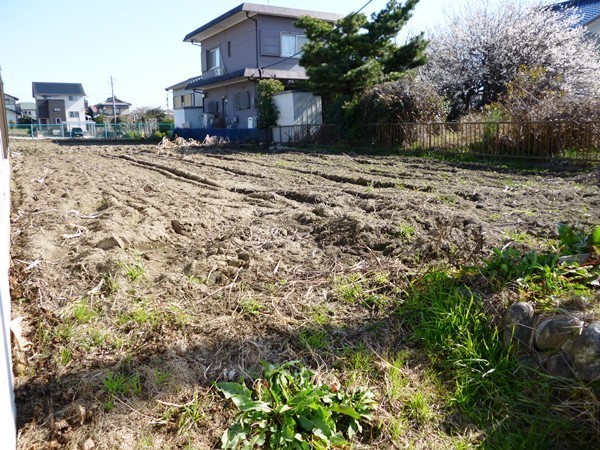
{"x":213,"y":58}
{"x":291,"y":44}
{"x":71,"y":98}
{"x":74,"y":114}
{"x":274,"y":42}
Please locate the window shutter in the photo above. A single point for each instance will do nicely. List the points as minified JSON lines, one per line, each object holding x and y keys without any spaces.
{"x":269,"y":42}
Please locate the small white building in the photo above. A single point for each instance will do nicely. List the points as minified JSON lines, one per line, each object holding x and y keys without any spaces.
{"x":298,"y":108}
{"x":57,"y":103}
{"x":300,"y":116}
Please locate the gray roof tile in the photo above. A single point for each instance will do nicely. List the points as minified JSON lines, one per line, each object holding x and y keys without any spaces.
{"x":588,"y":9}
{"x":42,"y":88}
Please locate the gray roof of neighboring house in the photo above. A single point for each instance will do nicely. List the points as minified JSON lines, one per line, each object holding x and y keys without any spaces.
{"x":254,"y":9}
{"x":27,"y":105}
{"x":39,"y":88}
{"x":11,"y":96}
{"x":183,"y":84}
{"x":589,"y":10}
{"x":109,"y":102}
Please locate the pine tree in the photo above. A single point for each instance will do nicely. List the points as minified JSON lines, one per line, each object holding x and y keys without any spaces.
{"x":343,"y":59}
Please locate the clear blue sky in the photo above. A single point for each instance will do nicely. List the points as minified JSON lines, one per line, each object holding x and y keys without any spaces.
{"x":138,"y":42}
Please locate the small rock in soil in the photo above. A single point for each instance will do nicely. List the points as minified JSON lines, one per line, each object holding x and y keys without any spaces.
{"x":110,"y":243}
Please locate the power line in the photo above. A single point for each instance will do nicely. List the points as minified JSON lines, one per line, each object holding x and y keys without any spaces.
{"x":363,"y":7}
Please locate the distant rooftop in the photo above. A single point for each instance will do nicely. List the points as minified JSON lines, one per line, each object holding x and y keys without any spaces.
{"x":27,"y":105}
{"x":109,"y":102}
{"x":42,"y":88}
{"x":589,"y":10}
{"x":241,"y":12}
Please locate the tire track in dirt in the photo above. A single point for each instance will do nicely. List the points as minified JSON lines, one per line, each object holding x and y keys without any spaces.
{"x":265,"y":195}
{"x":359,"y":181}
{"x":180,"y":173}
{"x":257,"y":193}
{"x":233,"y":170}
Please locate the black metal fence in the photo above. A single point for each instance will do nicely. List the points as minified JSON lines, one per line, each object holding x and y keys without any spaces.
{"x":532,"y":140}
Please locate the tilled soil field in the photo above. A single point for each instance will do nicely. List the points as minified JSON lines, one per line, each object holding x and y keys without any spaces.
{"x":176,"y":269}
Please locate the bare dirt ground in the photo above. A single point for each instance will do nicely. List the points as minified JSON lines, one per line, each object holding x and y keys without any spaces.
{"x":178,"y":269}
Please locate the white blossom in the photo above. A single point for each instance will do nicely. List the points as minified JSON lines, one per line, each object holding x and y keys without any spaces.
{"x":472,"y":60}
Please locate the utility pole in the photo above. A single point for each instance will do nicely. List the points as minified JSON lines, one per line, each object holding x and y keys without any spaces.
{"x":168,"y":117}
{"x":112,"y":90}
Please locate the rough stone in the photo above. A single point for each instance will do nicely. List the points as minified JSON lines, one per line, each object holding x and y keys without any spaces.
{"x":560,"y":365}
{"x":518,"y":324}
{"x":191,"y":269}
{"x":556,"y":332}
{"x":585,"y":352}
{"x":110,"y":242}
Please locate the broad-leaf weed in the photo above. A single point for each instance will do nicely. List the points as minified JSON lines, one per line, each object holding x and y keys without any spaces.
{"x":286,"y":409}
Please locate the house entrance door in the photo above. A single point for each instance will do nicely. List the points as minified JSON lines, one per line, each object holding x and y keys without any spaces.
{"x":224,"y":105}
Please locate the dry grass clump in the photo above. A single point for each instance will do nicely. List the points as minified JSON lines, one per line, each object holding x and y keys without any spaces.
{"x":179,"y":142}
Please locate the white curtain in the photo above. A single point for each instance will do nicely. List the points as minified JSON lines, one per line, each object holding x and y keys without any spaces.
{"x":288,"y":44}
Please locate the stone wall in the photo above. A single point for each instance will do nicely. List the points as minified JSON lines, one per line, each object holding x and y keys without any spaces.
{"x":567,"y":342}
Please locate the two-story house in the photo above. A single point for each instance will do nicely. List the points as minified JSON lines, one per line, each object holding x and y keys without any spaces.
{"x":10,"y":103}
{"x":106,"y":107}
{"x":59,"y":102}
{"x":246,"y":44}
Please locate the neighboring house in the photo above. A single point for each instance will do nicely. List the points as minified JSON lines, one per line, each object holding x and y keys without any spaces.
{"x":27,"y":110}
{"x":106,"y":107}
{"x":588,"y":10}
{"x":10,"y":103}
{"x":246,"y":44}
{"x":59,"y":102}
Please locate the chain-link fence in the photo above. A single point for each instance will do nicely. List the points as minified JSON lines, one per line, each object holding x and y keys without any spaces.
{"x":91,"y":130}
